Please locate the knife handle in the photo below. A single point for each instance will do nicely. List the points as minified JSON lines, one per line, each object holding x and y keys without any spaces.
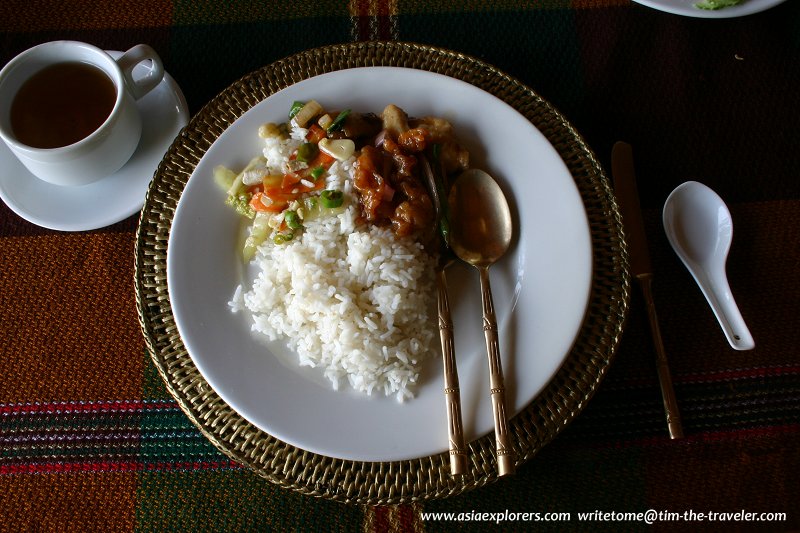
{"x":452,"y":393}
{"x":664,"y":377}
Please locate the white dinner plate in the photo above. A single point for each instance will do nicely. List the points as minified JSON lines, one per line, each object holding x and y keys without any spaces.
{"x":541,"y":287}
{"x":104,"y":202}
{"x":686,"y":8}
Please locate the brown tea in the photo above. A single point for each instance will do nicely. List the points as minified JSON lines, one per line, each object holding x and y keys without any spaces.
{"x":61,"y":104}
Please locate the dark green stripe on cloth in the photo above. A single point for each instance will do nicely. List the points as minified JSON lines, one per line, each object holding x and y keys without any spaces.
{"x":224,"y":53}
{"x":538,"y":46}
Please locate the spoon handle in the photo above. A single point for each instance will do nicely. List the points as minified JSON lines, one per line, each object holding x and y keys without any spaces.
{"x":505,"y":455}
{"x":718,"y":293}
{"x":455,"y":429}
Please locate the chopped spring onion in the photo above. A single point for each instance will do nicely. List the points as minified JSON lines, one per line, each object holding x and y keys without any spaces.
{"x":306,"y":113}
{"x":292,"y":220}
{"x":316,"y":172}
{"x":439,"y":183}
{"x":338,"y":122}
{"x":331,"y":199}
{"x":295,"y":109}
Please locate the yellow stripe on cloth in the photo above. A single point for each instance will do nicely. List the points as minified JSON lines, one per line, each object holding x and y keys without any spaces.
{"x":374,"y":19}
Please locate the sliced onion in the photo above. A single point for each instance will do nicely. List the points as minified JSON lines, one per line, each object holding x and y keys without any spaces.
{"x":380,"y":138}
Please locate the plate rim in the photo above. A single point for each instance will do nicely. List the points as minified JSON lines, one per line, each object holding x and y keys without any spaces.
{"x":382,"y":482}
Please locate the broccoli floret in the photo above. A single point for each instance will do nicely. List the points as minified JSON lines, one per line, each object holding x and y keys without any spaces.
{"x":241,"y":203}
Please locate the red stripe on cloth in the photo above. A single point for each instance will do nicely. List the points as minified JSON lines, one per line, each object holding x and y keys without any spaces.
{"x":116,"y":466}
{"x":362,"y":19}
{"x":84,"y":407}
{"x":406,"y":517}
{"x":380,"y":519}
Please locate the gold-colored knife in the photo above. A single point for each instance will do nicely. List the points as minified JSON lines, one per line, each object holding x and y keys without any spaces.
{"x":639,"y":260}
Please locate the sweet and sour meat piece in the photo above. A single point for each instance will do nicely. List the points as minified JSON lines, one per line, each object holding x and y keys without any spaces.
{"x":395,"y":120}
{"x":387,"y":177}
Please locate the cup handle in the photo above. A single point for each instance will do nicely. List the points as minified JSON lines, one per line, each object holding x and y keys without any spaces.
{"x":134,"y":56}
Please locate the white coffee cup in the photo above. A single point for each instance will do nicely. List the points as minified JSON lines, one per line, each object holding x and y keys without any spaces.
{"x":103,"y":151}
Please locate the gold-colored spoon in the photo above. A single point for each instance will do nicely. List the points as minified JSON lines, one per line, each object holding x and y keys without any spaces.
{"x":480,"y":233}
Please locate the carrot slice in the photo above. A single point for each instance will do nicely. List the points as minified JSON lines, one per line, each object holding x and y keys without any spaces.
{"x":274,"y":207}
{"x":315,"y":134}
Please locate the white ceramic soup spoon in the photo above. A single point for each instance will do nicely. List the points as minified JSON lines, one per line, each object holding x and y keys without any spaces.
{"x":699,"y":228}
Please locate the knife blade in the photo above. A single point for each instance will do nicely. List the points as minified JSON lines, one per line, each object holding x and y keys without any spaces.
{"x":627,"y":194}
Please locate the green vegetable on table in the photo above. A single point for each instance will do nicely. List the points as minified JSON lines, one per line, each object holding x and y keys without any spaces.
{"x":716,"y":4}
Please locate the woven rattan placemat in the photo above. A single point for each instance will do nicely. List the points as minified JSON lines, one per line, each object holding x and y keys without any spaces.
{"x":402,"y":481}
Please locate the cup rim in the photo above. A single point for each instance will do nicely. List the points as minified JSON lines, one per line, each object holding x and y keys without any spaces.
{"x":108,"y":65}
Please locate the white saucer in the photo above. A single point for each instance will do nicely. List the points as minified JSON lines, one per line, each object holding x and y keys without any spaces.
{"x":99,"y":204}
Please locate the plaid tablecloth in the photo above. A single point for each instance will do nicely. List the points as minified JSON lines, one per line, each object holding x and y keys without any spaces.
{"x":91,"y":440}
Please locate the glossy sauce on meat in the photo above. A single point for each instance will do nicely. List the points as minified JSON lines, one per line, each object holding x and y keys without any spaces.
{"x":387,"y":172}
{"x":391,"y":190}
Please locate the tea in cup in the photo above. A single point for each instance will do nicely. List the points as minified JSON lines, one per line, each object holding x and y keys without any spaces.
{"x":68,"y":109}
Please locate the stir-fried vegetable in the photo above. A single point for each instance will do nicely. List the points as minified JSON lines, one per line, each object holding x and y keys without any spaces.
{"x":340,"y":149}
{"x":307,"y":152}
{"x":295,"y":109}
{"x":292,"y":219}
{"x":279,"y":204}
{"x":331,"y":199}
{"x":259,"y":232}
{"x":316,"y":172}
{"x":380,"y":153}
{"x":338,"y":122}
{"x":310,"y":110}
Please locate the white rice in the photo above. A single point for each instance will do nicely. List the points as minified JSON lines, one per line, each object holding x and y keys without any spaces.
{"x":353,"y":300}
